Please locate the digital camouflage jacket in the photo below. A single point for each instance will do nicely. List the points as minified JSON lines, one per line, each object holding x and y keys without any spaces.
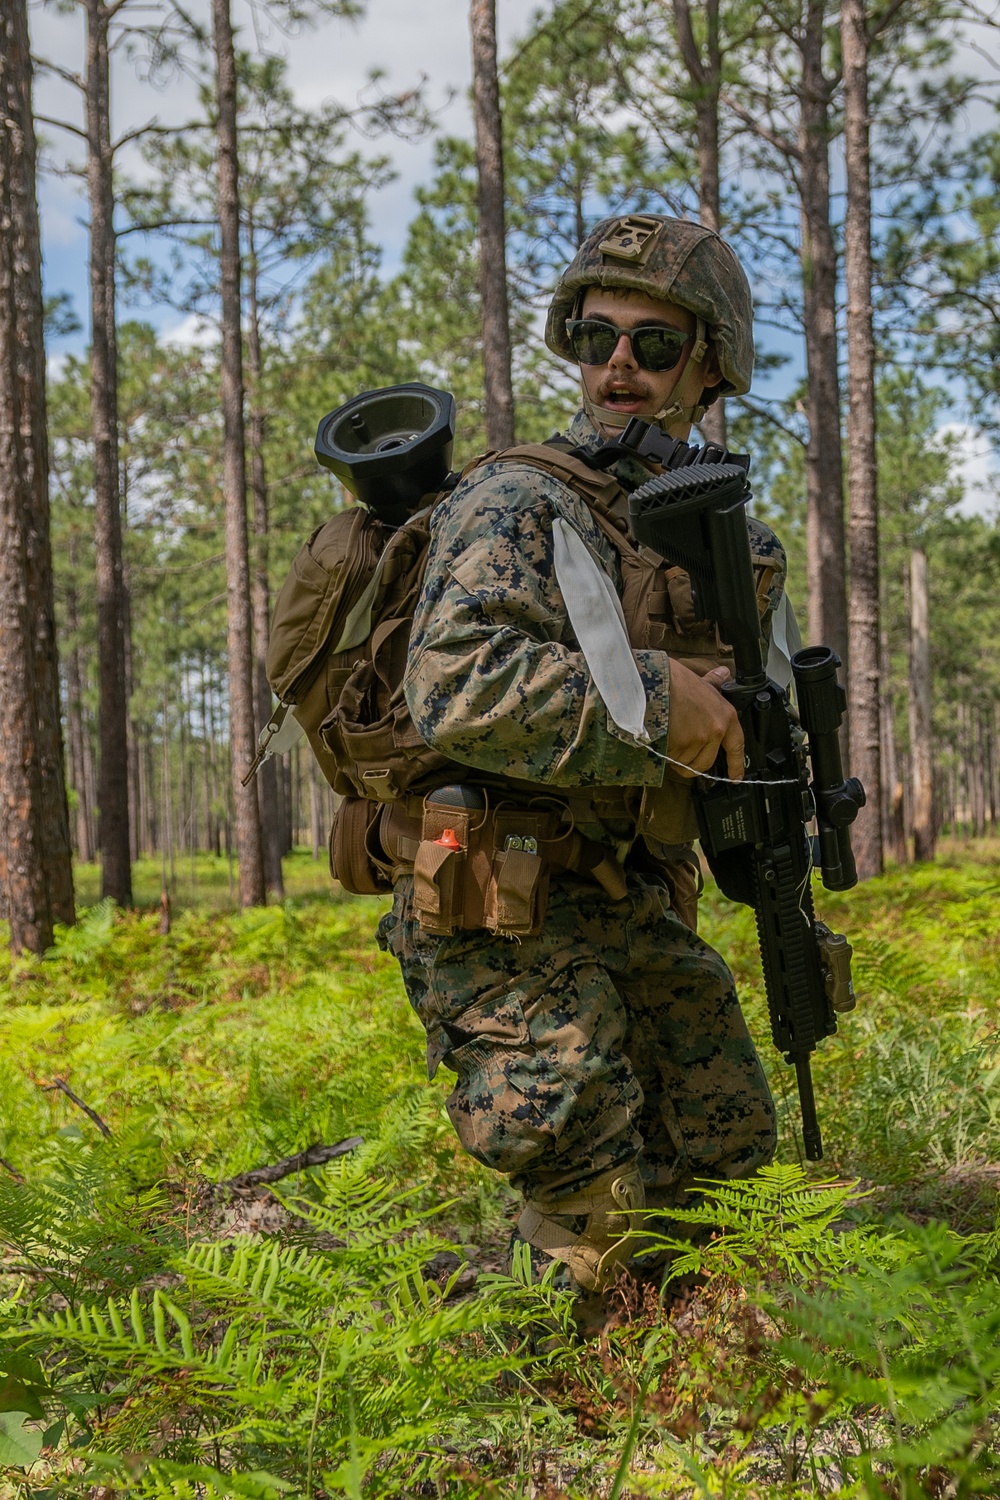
{"x":495,"y":678}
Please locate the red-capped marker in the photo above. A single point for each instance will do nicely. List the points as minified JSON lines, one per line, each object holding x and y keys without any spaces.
{"x":449,"y":839}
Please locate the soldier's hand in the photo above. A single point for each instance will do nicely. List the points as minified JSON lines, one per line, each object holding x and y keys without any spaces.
{"x":702,"y":721}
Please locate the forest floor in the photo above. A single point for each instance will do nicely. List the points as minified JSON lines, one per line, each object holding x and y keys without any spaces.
{"x":353,"y":1330}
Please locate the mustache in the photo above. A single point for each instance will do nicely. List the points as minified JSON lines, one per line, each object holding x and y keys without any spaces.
{"x":617,"y":383}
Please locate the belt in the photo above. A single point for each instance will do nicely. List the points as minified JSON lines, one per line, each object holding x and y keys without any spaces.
{"x":400,"y":830}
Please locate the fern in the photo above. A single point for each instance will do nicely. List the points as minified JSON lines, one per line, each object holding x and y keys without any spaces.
{"x":154,"y":1353}
{"x":919,"y":1339}
{"x":274,"y":1351}
{"x":779,"y":1221}
{"x":81,"y":1228}
{"x":903,"y":1323}
{"x":88,"y":938}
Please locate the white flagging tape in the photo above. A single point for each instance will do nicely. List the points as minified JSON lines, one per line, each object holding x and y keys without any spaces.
{"x":785,"y":641}
{"x":595,"y":613}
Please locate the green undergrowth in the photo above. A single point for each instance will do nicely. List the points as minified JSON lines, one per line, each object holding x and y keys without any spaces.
{"x":202,"y":881}
{"x":355,"y":1332}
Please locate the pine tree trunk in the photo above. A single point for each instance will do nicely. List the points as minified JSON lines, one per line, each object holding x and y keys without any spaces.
{"x":978,"y":779}
{"x":964,"y":778}
{"x":893,"y":802}
{"x":206,"y":785}
{"x":34,"y":438}
{"x":74,"y":719}
{"x":27,"y":886}
{"x":824,"y":464}
{"x":920,"y":710}
{"x":146,"y":813}
{"x":492,"y":236}
{"x":864,"y":716}
{"x":132,"y":756}
{"x":267,"y":779}
{"x":213,"y":768}
{"x":989,"y":735}
{"x":240,"y":624}
{"x":166,"y":770}
{"x":315,"y":809}
{"x":705,"y":73}
{"x":112,"y":799}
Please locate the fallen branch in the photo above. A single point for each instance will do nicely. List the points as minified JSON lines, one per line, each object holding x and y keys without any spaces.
{"x":312,"y":1156}
{"x":63,"y":1088}
{"x":17,"y":1176}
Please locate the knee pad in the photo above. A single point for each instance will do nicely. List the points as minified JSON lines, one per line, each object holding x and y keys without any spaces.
{"x":610,"y":1207}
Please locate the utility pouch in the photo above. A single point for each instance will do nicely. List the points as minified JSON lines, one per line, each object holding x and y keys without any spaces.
{"x":357,"y":859}
{"x":518,"y":889}
{"x":439,"y":867}
{"x":368,"y":733}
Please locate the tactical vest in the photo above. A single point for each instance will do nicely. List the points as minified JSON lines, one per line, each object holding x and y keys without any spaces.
{"x":341,"y":633}
{"x":660,"y":615}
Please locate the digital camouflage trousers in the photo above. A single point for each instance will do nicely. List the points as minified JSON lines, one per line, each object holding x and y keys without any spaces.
{"x":616,"y":1035}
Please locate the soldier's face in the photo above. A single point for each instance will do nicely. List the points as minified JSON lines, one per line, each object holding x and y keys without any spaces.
{"x":621,"y":385}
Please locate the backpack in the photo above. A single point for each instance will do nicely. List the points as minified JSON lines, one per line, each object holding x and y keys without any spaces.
{"x":337,"y":653}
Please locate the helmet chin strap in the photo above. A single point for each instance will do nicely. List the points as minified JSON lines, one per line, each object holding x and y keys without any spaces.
{"x":677,"y":410}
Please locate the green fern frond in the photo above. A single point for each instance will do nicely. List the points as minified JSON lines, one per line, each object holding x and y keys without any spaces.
{"x":885,"y":968}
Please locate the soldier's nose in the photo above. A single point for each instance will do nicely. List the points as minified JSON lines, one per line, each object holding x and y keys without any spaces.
{"x":623,"y":358}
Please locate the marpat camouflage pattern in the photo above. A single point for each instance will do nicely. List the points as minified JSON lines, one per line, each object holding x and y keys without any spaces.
{"x":617,"y":1033}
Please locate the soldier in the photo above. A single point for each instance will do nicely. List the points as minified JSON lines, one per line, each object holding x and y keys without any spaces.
{"x":602,"y":1061}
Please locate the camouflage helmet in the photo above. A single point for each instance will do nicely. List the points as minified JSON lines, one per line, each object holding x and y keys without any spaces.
{"x":676,"y":261}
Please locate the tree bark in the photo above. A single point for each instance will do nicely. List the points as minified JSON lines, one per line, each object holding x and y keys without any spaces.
{"x":34,"y":437}
{"x":112,"y":796}
{"x":893,"y":802}
{"x":240,"y":625}
{"x":27,"y":886}
{"x":864,"y":717}
{"x":920,"y":709}
{"x":824,"y":464}
{"x":74,"y":718}
{"x":492,"y":237}
{"x":704,"y":68}
{"x":267,"y":778}
{"x":315,"y":809}
{"x":807,"y":163}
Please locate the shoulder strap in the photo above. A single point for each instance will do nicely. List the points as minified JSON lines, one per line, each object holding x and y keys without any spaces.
{"x":599,"y":490}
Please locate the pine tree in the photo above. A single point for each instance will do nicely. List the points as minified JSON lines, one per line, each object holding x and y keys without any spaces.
{"x":864,"y":645}
{"x":239,"y":614}
{"x":34,"y":834}
{"x":499,"y":395}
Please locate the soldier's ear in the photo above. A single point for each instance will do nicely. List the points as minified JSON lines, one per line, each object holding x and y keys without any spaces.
{"x":711,"y":373}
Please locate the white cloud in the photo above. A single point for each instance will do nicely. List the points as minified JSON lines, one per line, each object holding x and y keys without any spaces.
{"x":408,"y":40}
{"x":976,"y":466}
{"x":192,"y":332}
{"x":55,"y":366}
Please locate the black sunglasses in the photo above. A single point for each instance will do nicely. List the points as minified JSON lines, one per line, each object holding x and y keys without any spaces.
{"x":654,"y":346}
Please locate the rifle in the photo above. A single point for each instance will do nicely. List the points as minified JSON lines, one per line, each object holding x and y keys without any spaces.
{"x":755,"y":832}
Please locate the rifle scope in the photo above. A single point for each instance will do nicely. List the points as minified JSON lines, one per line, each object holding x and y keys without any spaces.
{"x":822,"y":704}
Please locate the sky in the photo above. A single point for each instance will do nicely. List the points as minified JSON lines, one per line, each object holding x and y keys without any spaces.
{"x":410,"y":41}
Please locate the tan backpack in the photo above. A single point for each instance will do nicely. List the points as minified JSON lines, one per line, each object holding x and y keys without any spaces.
{"x":337,"y":653}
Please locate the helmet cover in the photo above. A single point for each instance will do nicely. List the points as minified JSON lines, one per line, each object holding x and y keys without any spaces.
{"x":674,"y":260}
